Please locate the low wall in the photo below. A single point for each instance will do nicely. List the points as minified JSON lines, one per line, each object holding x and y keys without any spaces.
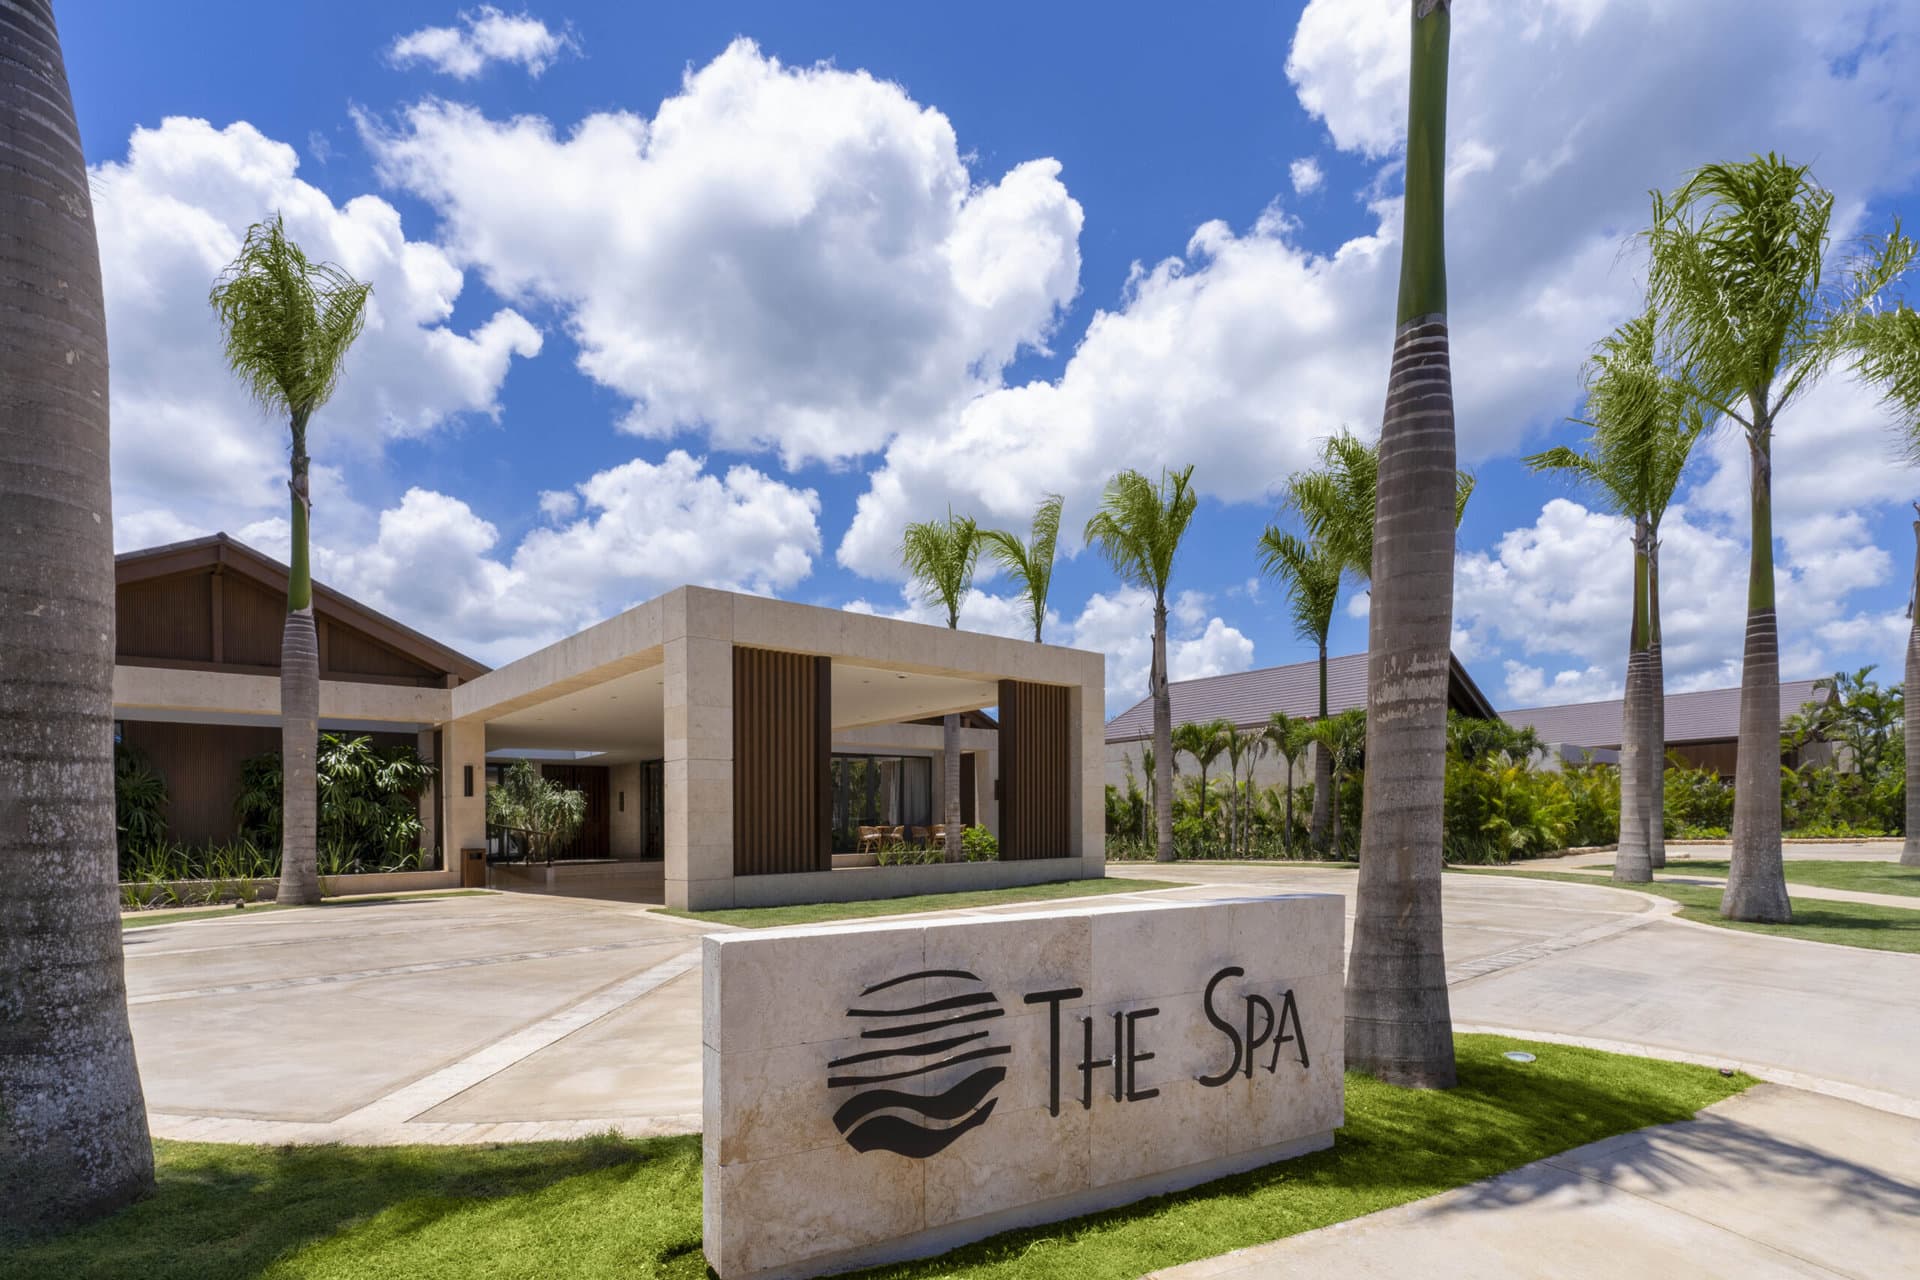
{"x":615,"y":880}
{"x":265,"y":889}
{"x":852,"y":884}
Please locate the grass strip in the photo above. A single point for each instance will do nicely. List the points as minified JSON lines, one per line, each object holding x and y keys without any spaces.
{"x":821,"y":912}
{"x":1821,"y":873}
{"x":609,"y":1207}
{"x":1846,"y":924}
{"x":176,"y":915}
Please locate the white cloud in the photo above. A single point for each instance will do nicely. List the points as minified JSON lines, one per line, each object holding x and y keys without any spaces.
{"x":1120,"y":624}
{"x":1306,"y":175}
{"x":1238,"y":353}
{"x":190,"y":452}
{"x":796,"y":258}
{"x":484,"y":35}
{"x":644,"y":528}
{"x":981,"y":611}
{"x":1561,"y":587}
{"x":559,"y":504}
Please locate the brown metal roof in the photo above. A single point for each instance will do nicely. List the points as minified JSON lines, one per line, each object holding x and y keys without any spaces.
{"x":232,"y":554}
{"x":1707,"y":716}
{"x":1248,"y":698}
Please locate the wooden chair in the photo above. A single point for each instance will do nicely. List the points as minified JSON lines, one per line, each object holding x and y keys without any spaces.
{"x":871,"y":838}
{"x":918,"y":836}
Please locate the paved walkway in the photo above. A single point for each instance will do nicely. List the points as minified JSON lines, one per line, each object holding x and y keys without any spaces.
{"x":1775,"y":1182}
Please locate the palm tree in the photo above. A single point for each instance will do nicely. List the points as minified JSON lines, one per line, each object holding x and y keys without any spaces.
{"x":1887,"y":354}
{"x":1336,"y":500}
{"x":940,"y":556}
{"x":1398,"y":1024}
{"x":1146,"y":769}
{"x":1343,"y":739}
{"x":1311,"y":576}
{"x":1204,"y":742}
{"x":1138,"y":530}
{"x":287,"y":323}
{"x":1287,"y":737}
{"x":73,"y":1121}
{"x":1737,"y":270}
{"x":1243,"y":747}
{"x":1030,"y":563}
{"x":1643,"y":426}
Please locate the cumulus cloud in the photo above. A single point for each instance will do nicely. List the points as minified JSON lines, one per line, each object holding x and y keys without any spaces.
{"x":1306,"y":175}
{"x":1561,"y":589}
{"x":793,"y":258}
{"x":484,"y":35}
{"x":642,"y":528}
{"x":1119,"y":624}
{"x":1237,"y":353}
{"x":190,"y":452}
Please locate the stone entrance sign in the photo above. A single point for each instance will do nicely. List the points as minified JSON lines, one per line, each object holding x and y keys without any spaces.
{"x":882,"y":1091}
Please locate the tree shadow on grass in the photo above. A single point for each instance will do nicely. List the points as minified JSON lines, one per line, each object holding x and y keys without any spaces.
{"x":228,"y":1212}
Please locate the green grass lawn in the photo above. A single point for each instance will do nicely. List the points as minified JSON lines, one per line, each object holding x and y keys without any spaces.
{"x":1849,"y":924}
{"x":610,"y":1208}
{"x":176,"y":915}
{"x":1862,"y":877}
{"x":817,"y":912}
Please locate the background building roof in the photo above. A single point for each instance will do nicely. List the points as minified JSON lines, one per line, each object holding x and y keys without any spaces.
{"x":1705,"y":716}
{"x":1248,"y":698}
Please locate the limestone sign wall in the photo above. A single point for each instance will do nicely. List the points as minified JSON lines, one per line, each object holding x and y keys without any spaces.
{"x":882,"y":1091}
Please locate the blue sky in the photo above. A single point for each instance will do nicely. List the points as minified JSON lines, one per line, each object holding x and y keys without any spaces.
{"x":727,"y":293}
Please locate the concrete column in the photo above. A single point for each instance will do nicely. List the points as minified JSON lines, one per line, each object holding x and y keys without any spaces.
{"x":697,"y":698}
{"x":464,"y":743}
{"x":624,"y":810}
{"x":986,"y":797}
{"x":1088,"y":769}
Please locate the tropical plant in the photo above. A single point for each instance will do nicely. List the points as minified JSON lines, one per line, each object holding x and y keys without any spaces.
{"x":1738,"y":271}
{"x":1343,"y":738}
{"x":1397,"y":1022}
{"x":1288,"y":739}
{"x":1643,"y":426}
{"x":139,"y":798}
{"x":1244,"y":746}
{"x":539,"y":810}
{"x":1204,"y":742}
{"x":1311,"y":575}
{"x":1138,"y":530}
{"x":368,"y":815}
{"x":287,"y":323}
{"x":73,"y":1123}
{"x":1030,"y":563}
{"x":979,"y":844}
{"x":940,"y":557}
{"x":1886,"y":350}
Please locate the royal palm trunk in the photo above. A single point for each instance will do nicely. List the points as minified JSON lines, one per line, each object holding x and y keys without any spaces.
{"x":1910,"y":720}
{"x":299,"y":705}
{"x":1398,"y":1025}
{"x":73,"y":1122}
{"x":1631,"y":860}
{"x":1162,"y":738}
{"x":1322,"y":771}
{"x":1756,"y":881}
{"x":1656,"y":725}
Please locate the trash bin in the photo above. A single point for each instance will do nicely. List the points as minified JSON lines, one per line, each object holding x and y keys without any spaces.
{"x":473,"y":868}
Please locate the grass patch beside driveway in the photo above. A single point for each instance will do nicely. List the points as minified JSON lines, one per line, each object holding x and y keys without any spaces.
{"x":607,"y":1207}
{"x":1822,"y":873}
{"x":821,"y":912}
{"x":180,"y":915}
{"x":1847,"y":924}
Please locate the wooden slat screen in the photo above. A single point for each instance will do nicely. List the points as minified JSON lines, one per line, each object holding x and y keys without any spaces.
{"x":1036,"y":794}
{"x":782,"y":745}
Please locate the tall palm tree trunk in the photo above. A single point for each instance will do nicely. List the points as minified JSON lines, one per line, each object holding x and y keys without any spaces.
{"x":299,"y":705}
{"x":1286,"y":840}
{"x":1656,"y":714}
{"x":950,"y":759}
{"x":1756,"y":880}
{"x":1162,"y":738}
{"x":73,"y":1121}
{"x":1910,"y":853}
{"x":1631,"y":860}
{"x":1398,"y":1024}
{"x":1322,"y":772}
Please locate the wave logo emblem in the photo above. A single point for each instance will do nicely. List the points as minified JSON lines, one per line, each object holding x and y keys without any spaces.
{"x":930,"y":1074}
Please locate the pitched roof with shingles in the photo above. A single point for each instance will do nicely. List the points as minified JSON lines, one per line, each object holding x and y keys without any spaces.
{"x":1248,"y":698}
{"x":1705,"y":716}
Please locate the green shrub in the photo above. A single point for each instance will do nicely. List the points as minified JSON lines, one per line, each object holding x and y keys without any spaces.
{"x":979,"y":845}
{"x":139,"y":798}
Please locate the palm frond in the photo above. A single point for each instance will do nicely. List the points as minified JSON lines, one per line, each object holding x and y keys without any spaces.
{"x":1886,"y":353}
{"x":1030,"y":563}
{"x":1140,"y":524}
{"x":1335,"y":501}
{"x":1311,"y":575}
{"x":940,"y":556}
{"x":286,"y":322}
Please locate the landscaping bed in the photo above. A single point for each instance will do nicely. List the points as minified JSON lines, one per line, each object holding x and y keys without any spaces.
{"x":609,"y":1207}
{"x":820,"y":912}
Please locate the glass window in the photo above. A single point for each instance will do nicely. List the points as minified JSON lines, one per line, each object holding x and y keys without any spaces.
{"x":879,"y":791}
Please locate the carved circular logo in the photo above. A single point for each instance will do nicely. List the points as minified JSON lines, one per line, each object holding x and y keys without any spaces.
{"x":909,"y":1098}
